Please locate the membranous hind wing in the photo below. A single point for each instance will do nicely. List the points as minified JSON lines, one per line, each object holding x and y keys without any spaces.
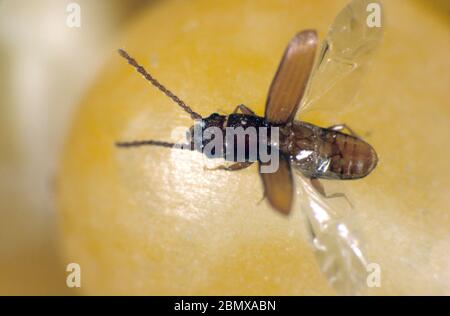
{"x":339,"y":68}
{"x":333,"y":236}
{"x":291,"y":78}
{"x":344,"y":57}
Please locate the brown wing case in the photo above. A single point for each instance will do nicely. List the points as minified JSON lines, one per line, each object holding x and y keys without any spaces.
{"x":279,"y":186}
{"x":288,"y":86}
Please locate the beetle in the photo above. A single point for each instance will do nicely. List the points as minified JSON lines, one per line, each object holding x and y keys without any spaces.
{"x":317,"y":152}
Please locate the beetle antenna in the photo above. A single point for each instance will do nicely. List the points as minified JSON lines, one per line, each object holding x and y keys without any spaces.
{"x":157,"y":84}
{"x":139,"y":143}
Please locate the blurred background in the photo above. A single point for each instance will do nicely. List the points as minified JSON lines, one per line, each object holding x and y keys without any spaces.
{"x":45,"y":67}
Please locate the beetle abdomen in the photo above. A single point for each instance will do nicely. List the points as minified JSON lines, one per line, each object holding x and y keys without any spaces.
{"x":349,"y":157}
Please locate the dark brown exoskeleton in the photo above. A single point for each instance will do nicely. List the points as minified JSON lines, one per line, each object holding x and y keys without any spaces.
{"x":317,"y":152}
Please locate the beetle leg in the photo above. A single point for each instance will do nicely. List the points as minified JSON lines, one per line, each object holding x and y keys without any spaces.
{"x":234,"y":167}
{"x":318,"y":186}
{"x":244,"y":110}
{"x":341,"y":127}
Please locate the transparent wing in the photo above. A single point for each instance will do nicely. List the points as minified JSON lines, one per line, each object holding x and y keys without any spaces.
{"x":344,"y":57}
{"x":339,"y":252}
